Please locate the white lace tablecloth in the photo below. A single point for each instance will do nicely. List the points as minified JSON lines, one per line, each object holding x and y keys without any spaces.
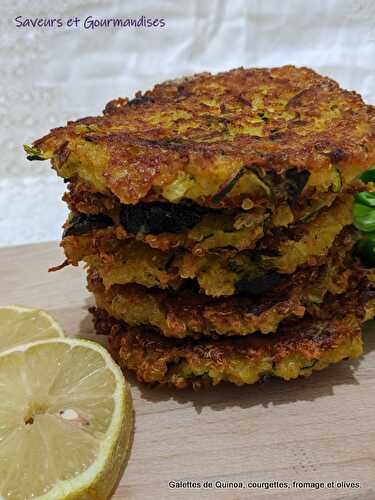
{"x":49,"y":75}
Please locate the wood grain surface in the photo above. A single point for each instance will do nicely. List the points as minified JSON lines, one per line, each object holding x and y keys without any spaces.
{"x":320,"y":429}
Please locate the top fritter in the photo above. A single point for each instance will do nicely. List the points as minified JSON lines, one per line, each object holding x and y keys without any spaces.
{"x":233,"y":139}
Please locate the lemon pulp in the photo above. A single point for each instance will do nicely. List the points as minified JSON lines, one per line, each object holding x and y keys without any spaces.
{"x":19,"y":325}
{"x":65,"y":421}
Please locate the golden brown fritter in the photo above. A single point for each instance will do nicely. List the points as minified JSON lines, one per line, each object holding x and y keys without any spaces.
{"x":311,"y":241}
{"x":243,"y":360}
{"x":80,"y":198}
{"x":191,"y":314}
{"x":214,"y":230}
{"x":162,"y":226}
{"x":299,"y":348}
{"x":238,"y":137}
{"x":122,"y":261}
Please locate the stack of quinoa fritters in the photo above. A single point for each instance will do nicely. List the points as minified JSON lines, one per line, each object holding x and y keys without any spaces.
{"x":214,"y":214}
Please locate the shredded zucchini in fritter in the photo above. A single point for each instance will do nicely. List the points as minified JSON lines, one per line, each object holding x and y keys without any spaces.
{"x":203,"y":139}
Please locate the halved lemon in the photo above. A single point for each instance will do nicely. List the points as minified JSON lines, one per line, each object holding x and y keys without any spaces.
{"x":21,"y":324}
{"x":65,"y":421}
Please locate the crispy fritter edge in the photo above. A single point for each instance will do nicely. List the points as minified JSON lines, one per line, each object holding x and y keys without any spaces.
{"x":193,"y":314}
{"x":212,"y":121}
{"x":298,"y":350}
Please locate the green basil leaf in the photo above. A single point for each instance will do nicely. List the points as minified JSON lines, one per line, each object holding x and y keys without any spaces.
{"x":33,"y":153}
{"x":368,"y":175}
{"x":363,"y":217}
{"x":365,"y":198}
{"x":366,"y":251}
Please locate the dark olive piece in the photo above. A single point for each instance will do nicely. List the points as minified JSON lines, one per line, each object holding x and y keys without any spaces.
{"x":34,"y":157}
{"x":139,"y":100}
{"x":290,"y":184}
{"x":228,"y":186}
{"x":297,"y":180}
{"x":157,"y":218}
{"x":83,"y":223}
{"x":260,"y":284}
{"x":337,"y":155}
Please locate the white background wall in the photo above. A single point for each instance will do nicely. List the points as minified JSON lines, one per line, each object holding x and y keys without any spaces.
{"x":49,"y":75}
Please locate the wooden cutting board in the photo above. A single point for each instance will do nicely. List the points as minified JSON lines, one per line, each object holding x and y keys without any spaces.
{"x":320,"y":429}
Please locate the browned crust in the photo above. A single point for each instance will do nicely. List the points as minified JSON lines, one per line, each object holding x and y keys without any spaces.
{"x":242,"y":229}
{"x":331,"y":336}
{"x":132,"y":261}
{"x":308,"y":337}
{"x":81,"y":199}
{"x":270,"y":118}
{"x":158,"y":359}
{"x":193,"y":314}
